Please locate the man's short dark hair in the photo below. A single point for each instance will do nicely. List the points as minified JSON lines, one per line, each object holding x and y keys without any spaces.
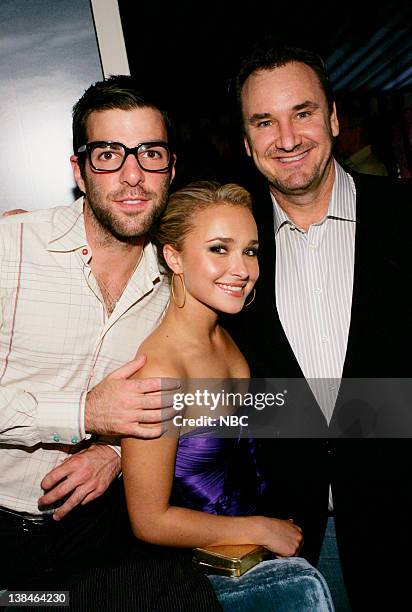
{"x":116,"y":92}
{"x":267,"y":57}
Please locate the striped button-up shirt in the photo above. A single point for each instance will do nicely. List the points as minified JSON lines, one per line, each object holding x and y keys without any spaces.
{"x":56,"y":341}
{"x":314,"y":282}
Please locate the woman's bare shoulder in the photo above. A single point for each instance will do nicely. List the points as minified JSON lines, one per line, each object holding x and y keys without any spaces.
{"x":162,"y":358}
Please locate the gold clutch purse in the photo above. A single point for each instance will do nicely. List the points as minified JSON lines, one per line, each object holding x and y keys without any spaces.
{"x":231,"y":561}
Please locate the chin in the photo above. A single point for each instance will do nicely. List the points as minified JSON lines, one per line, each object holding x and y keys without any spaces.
{"x":231,"y":308}
{"x":297,"y":183}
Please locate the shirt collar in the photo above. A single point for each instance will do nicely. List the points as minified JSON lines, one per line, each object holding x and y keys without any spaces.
{"x":280,"y":217}
{"x":68,"y":232}
{"x":150,"y":263}
{"x":342,"y":204}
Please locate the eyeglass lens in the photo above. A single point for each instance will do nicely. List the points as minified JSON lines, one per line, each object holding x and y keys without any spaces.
{"x":110,"y":156}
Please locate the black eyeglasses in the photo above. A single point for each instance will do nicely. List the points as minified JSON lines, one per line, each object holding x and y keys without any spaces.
{"x":107,"y":156}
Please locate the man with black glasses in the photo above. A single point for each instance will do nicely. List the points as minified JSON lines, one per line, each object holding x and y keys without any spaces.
{"x":80,"y":291}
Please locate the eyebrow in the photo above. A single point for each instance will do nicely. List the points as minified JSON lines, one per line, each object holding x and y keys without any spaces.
{"x":306,"y":104}
{"x":302,"y":105}
{"x":258,"y":117}
{"x":227,"y":240}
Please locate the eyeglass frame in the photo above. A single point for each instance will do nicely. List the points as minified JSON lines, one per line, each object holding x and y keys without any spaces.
{"x":87,"y":149}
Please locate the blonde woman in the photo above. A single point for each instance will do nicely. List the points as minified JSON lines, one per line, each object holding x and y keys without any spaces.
{"x":194,"y":490}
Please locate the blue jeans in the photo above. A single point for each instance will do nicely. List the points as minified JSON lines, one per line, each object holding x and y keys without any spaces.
{"x":329,"y":565}
{"x":282,"y":585}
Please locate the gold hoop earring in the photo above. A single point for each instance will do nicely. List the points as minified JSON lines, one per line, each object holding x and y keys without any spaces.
{"x":254,"y":295}
{"x":180,"y":276}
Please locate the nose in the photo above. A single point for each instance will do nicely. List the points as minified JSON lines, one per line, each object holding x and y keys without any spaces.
{"x":131,"y":173}
{"x":239,"y":267}
{"x":288,"y":138}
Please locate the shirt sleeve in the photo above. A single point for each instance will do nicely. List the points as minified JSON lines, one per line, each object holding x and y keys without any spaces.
{"x":29,"y":417}
{"x":43,"y":417}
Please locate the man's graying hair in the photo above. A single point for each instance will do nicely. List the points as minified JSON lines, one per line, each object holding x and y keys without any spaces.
{"x":268,"y":57}
{"x":116,"y":92}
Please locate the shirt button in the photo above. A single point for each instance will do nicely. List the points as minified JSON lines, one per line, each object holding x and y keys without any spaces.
{"x":56,"y":437}
{"x":292,"y":228}
{"x":312,"y":245}
{"x":317,"y":290}
{"x":85,"y":251}
{"x":74,"y":440}
{"x":325,"y":338}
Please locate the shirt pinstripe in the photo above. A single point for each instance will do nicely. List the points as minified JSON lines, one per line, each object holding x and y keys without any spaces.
{"x":56,"y":341}
{"x":314,"y":283}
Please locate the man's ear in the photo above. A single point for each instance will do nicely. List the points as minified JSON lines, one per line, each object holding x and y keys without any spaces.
{"x":247,"y":146}
{"x":173,"y":259}
{"x":173,"y":170}
{"x":77,"y":173}
{"x":334,"y":123}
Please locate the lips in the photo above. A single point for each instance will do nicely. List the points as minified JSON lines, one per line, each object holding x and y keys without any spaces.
{"x":232,"y":289}
{"x":291,"y":159}
{"x":131,"y":203}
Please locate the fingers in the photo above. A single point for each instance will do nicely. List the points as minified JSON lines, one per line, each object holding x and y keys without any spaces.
{"x":149,"y":431}
{"x":128,"y":369}
{"x":77,"y":498}
{"x":58,"y":492}
{"x":155,"y":416}
{"x":149,"y":425}
{"x":56,"y":475}
{"x":295,"y":526}
{"x":116,"y":406}
{"x":90,"y":497}
{"x":290,"y":548}
{"x":79,"y":479}
{"x":60,"y":481}
{"x":153,"y":401}
{"x":152,"y":385}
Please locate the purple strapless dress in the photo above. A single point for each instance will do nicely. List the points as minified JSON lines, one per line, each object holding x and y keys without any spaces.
{"x":216,"y":475}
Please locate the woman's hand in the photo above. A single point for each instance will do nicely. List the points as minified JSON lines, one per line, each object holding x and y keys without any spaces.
{"x":283,"y":538}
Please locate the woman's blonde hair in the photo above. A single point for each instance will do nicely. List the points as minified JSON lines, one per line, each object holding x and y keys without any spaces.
{"x":178,"y":219}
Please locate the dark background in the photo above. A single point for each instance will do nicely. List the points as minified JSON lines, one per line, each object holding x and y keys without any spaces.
{"x":187,"y":52}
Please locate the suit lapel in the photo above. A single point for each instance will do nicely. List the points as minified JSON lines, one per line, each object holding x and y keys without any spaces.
{"x":371,"y":267}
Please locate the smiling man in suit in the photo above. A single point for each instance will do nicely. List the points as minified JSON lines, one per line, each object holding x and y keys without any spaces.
{"x":333,"y":255}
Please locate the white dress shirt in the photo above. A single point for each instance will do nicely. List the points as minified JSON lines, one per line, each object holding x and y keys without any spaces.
{"x":314,"y":283}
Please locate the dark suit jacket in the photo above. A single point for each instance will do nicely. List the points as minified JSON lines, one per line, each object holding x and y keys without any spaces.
{"x":371,"y":478}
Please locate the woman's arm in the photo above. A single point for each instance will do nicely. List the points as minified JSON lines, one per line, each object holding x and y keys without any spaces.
{"x":148,"y":470}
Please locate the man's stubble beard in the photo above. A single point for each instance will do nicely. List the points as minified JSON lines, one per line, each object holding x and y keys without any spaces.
{"x":313,"y":180}
{"x":289,"y":188}
{"x":121,"y":226}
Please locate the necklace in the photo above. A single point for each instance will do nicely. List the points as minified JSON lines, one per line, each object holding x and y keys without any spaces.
{"x":109,"y":299}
